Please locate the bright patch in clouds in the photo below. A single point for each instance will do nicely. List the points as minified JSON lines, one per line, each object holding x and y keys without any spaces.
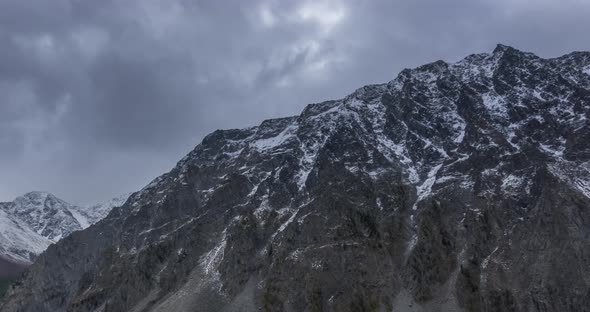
{"x":266,"y":16}
{"x":327,"y":14}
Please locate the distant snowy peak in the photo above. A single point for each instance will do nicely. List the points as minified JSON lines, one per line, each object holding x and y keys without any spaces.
{"x":95,"y":213}
{"x":32,"y":222}
{"x":45,"y":214}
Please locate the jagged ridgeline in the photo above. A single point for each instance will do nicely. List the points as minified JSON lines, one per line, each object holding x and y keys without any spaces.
{"x":454,"y":187}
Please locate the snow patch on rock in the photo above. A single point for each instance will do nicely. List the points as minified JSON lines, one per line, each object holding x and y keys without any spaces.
{"x":425,"y":189}
{"x":212,"y":259}
{"x":495,"y":104}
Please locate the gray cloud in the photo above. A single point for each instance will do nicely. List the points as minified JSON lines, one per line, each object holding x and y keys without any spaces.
{"x":98,"y":97}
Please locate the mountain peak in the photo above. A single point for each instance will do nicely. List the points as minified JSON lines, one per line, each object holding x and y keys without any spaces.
{"x":501,"y":48}
{"x":37,"y":194}
{"x":507,"y":52}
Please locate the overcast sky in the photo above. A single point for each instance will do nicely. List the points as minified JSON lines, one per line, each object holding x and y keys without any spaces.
{"x":99,"y":97}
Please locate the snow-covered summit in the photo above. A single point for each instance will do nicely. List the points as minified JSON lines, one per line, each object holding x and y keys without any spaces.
{"x":45,"y":214}
{"x":33,"y":221}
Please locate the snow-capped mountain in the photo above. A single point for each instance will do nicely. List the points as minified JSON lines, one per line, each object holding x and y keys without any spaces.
{"x":454,"y":187}
{"x":32,"y":222}
{"x":95,"y":213}
{"x":46,"y":214}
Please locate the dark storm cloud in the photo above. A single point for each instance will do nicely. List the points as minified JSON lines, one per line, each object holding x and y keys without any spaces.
{"x":98,"y":97}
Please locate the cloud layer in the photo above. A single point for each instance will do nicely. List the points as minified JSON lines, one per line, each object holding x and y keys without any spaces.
{"x":99,"y":97}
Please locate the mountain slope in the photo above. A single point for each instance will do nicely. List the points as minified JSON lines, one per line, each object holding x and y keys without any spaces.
{"x":9,"y":271}
{"x":19,"y":243}
{"x":455,"y":187}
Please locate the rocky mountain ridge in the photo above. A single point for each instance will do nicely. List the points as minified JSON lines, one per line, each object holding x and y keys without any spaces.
{"x":456,"y":187}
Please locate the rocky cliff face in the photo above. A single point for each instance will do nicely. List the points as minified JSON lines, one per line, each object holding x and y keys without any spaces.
{"x":454,"y":187}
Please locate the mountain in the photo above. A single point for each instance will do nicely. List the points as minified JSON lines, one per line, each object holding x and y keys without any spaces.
{"x":32,"y":222}
{"x":454,"y":187}
{"x":46,"y":214}
{"x":97,"y":212}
